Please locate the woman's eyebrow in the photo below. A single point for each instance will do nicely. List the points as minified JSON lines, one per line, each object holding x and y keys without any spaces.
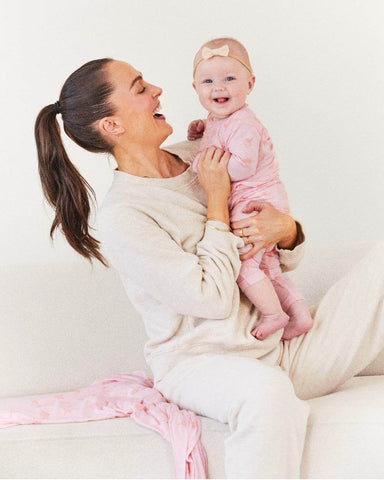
{"x":139,"y":77}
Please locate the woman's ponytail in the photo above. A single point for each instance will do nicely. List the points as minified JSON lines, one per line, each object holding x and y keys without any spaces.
{"x":63,"y":186}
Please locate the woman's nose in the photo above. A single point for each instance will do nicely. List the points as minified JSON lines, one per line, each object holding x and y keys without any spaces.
{"x":156,"y":91}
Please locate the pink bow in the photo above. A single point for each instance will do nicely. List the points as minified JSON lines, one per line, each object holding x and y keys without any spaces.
{"x":212,"y":52}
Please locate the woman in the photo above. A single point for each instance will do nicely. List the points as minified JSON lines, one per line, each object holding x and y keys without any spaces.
{"x":167,"y":234}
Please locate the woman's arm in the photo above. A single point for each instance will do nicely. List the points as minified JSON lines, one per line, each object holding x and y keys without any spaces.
{"x":268,"y":227}
{"x":213,"y":177}
{"x":200,"y":283}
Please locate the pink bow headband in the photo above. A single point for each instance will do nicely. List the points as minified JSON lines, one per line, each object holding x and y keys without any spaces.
{"x":223,"y":51}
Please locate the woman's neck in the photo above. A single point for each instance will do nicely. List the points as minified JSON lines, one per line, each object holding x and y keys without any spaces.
{"x":149,"y":162}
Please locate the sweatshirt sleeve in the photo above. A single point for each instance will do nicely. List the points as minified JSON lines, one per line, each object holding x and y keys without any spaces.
{"x":290,"y":259}
{"x":199,"y":284}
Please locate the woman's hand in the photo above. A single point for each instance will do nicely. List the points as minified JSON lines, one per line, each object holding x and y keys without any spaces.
{"x":213,"y":176}
{"x":196,"y":130}
{"x":269,"y":227}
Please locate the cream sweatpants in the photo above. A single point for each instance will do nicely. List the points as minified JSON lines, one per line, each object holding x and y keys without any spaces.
{"x":264,"y":405}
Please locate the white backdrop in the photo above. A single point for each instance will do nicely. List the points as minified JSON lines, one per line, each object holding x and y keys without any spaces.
{"x":319,"y":90}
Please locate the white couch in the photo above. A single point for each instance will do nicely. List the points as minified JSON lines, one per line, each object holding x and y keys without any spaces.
{"x":64,"y":326}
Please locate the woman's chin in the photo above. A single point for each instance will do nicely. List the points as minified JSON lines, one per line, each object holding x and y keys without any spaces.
{"x":165,"y":135}
{"x":164,"y":129}
{"x":168,"y":128}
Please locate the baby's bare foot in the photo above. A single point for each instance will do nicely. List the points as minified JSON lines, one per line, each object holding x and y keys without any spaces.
{"x":270,"y":324}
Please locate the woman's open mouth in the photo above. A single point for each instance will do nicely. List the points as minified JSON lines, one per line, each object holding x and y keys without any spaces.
{"x":156,"y":114}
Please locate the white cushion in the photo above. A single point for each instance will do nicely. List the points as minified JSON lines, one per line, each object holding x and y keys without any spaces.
{"x":64,"y":326}
{"x":345,"y":434}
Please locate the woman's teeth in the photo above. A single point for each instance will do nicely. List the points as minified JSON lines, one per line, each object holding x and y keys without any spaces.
{"x":156,"y":114}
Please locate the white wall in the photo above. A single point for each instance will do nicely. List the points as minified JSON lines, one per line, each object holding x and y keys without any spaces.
{"x":320,"y":78}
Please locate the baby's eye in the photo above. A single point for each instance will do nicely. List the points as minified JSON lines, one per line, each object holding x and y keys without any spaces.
{"x":208,"y":80}
{"x":229,"y":79}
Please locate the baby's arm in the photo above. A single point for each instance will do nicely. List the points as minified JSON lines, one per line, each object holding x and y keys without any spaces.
{"x":196,"y":129}
{"x":243,"y":144}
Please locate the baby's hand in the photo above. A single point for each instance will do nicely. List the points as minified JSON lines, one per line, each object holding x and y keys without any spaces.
{"x":196,"y":129}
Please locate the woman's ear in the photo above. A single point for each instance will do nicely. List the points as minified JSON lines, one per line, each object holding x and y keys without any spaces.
{"x":110,"y":126}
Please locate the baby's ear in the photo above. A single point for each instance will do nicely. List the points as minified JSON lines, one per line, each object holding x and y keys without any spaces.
{"x":194,"y":85}
{"x":251,"y":83}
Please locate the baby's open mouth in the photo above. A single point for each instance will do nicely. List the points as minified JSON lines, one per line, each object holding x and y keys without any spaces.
{"x":221,"y":99}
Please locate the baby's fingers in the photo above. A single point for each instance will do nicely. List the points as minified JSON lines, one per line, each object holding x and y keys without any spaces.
{"x":255,"y":248}
{"x":199,"y":126}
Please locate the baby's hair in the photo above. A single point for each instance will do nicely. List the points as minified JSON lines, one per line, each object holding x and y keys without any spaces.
{"x":235,"y":47}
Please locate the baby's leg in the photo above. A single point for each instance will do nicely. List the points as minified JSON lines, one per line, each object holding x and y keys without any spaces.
{"x":263,"y":296}
{"x":259,"y":289}
{"x":300,"y":320}
{"x":291,"y":300}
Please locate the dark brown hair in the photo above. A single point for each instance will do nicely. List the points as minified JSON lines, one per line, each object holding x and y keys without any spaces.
{"x":83,"y":100}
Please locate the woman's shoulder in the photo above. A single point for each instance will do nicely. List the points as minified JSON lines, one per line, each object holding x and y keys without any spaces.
{"x":121,"y":217}
{"x":185,"y":150}
{"x":121,"y":199}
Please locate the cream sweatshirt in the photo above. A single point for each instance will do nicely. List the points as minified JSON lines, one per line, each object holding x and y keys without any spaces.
{"x":179,"y":272}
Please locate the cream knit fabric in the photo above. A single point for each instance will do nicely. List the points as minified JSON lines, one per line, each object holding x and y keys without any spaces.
{"x":178,"y":272}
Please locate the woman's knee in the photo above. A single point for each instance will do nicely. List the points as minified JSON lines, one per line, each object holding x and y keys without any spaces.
{"x":272,"y":400}
{"x":231,"y":389}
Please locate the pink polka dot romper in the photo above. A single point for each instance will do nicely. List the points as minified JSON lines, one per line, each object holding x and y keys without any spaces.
{"x":254,"y":174}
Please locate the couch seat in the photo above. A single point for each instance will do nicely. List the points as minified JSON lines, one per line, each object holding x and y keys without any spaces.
{"x":340,"y":442}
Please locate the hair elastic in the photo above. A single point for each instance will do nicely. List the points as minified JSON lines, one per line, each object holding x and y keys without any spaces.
{"x":57,"y":107}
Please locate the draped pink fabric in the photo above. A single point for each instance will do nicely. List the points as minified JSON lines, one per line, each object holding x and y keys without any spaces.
{"x":122,"y":395}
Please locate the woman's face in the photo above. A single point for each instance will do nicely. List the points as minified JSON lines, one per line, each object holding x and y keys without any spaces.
{"x":137,"y":103}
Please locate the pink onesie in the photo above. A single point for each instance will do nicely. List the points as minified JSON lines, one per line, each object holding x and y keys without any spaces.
{"x":254,"y":174}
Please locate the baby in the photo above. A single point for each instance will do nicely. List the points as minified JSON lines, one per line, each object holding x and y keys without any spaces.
{"x":223,"y":78}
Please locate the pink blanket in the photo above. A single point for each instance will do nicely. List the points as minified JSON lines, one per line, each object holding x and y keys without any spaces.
{"x":123,"y":395}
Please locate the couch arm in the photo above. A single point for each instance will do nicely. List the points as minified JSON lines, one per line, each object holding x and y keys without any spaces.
{"x":322,"y":266}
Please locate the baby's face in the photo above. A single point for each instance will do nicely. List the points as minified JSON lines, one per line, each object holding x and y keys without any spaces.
{"x":222,"y":84}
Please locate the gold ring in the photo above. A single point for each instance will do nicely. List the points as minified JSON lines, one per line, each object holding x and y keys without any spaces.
{"x":241,"y":233}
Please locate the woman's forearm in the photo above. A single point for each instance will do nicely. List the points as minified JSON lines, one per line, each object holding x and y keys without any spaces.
{"x":213,"y":176}
{"x":217,"y":208}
